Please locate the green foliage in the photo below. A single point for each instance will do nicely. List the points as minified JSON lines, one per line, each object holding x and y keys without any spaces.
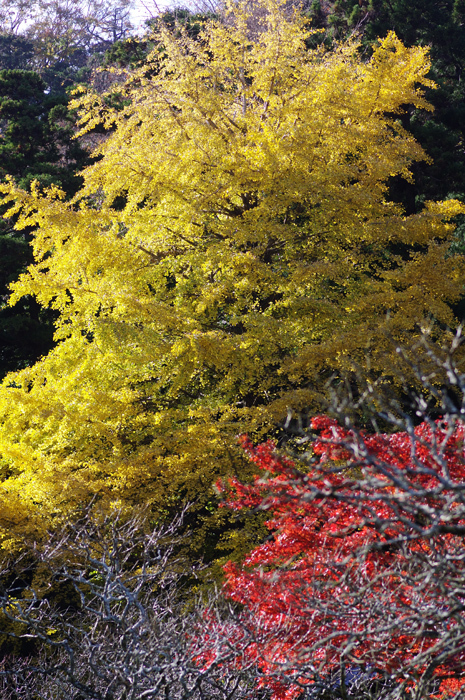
{"x":36,"y":145}
{"x":133,"y":52}
{"x":37,"y":133}
{"x":130,"y":53}
{"x":16,"y":52}
{"x":181,"y":19}
{"x":26,"y":331}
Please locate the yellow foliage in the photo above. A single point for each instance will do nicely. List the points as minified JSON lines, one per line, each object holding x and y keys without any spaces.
{"x":232,"y":245}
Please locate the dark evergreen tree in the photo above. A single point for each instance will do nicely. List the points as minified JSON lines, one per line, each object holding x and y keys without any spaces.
{"x":36,"y":133}
{"x":16,"y":52}
{"x":36,"y":143}
{"x":132,"y":52}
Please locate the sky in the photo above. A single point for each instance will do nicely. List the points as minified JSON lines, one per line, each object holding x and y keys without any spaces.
{"x":144,"y":9}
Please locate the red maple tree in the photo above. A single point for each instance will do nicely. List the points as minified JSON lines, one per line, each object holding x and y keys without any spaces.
{"x":362,"y":578}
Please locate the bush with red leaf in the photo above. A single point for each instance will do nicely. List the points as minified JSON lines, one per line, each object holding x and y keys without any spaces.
{"x":360,"y":586}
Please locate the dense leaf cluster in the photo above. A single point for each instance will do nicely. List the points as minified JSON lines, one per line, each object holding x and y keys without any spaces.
{"x":363,"y":569}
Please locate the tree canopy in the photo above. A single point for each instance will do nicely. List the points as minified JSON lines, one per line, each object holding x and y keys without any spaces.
{"x":232,"y":245}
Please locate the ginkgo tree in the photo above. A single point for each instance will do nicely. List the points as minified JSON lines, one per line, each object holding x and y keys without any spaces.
{"x":232,"y":243}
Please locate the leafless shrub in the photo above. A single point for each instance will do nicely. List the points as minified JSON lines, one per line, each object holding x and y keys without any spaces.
{"x":111,"y":620}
